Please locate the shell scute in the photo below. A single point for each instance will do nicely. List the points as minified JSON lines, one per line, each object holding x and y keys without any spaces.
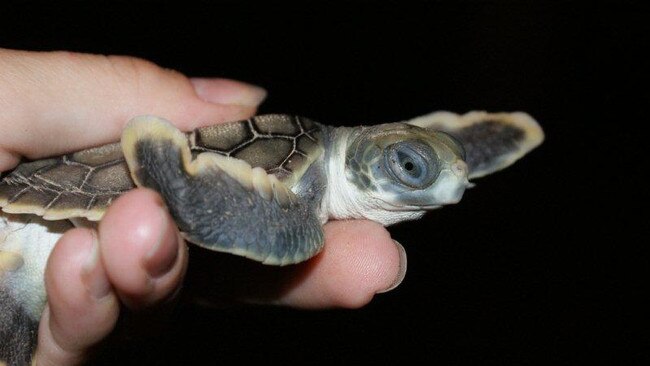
{"x":272,"y":142}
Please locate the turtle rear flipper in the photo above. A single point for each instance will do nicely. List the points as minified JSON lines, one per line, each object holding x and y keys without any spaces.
{"x":221,"y":203}
{"x":492,"y":141}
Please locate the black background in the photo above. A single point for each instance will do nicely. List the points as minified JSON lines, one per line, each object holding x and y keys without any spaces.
{"x":535,"y":266}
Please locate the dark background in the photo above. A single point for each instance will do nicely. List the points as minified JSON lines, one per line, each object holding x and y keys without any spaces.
{"x":537,"y":264}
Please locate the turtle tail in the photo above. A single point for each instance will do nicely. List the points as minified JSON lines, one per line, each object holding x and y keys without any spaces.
{"x":25,"y":244}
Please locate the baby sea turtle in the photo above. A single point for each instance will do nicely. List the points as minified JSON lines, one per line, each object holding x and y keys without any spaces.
{"x":261,"y":188}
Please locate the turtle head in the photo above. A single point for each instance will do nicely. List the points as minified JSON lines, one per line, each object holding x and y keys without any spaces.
{"x":402,"y":167}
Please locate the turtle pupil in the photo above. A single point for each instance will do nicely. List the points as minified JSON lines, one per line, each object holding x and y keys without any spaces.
{"x":411,"y":163}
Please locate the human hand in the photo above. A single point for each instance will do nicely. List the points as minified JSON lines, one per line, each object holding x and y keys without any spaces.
{"x":54,"y":103}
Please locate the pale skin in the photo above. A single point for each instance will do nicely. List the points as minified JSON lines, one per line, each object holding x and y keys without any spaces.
{"x":54,"y":103}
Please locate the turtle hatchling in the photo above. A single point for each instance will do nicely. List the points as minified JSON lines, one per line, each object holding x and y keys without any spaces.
{"x":260,"y":188}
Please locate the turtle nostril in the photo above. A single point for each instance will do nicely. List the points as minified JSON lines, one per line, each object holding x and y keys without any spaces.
{"x":459,"y":168}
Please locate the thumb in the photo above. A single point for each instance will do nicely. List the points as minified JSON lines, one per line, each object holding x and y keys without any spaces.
{"x":225,"y":91}
{"x":57,"y":102}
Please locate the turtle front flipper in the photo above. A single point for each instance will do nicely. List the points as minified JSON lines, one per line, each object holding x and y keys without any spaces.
{"x":218,"y":202}
{"x":492,"y":141}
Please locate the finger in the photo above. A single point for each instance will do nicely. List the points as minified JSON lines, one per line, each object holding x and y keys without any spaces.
{"x":144,"y":256}
{"x":85,"y":100}
{"x":226,"y":91}
{"x":359,"y":260}
{"x":82,"y":308}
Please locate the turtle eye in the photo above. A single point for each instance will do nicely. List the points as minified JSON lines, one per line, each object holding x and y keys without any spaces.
{"x":412,"y":163}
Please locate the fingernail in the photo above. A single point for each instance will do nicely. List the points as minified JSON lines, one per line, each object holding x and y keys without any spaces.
{"x":162,"y":255}
{"x":92,"y":272}
{"x":224,"y":91}
{"x":402,"y":268}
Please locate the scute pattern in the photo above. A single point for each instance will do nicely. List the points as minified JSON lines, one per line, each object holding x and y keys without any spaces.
{"x":85,"y":183}
{"x":53,"y":186}
{"x":299,"y":137}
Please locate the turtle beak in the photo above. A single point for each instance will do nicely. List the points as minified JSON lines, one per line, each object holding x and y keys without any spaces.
{"x":452,"y":183}
{"x":460,"y":169}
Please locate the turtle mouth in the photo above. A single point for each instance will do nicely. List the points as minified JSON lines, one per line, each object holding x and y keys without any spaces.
{"x":429,"y":202}
{"x":393,"y":207}
{"x":415,"y":208}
